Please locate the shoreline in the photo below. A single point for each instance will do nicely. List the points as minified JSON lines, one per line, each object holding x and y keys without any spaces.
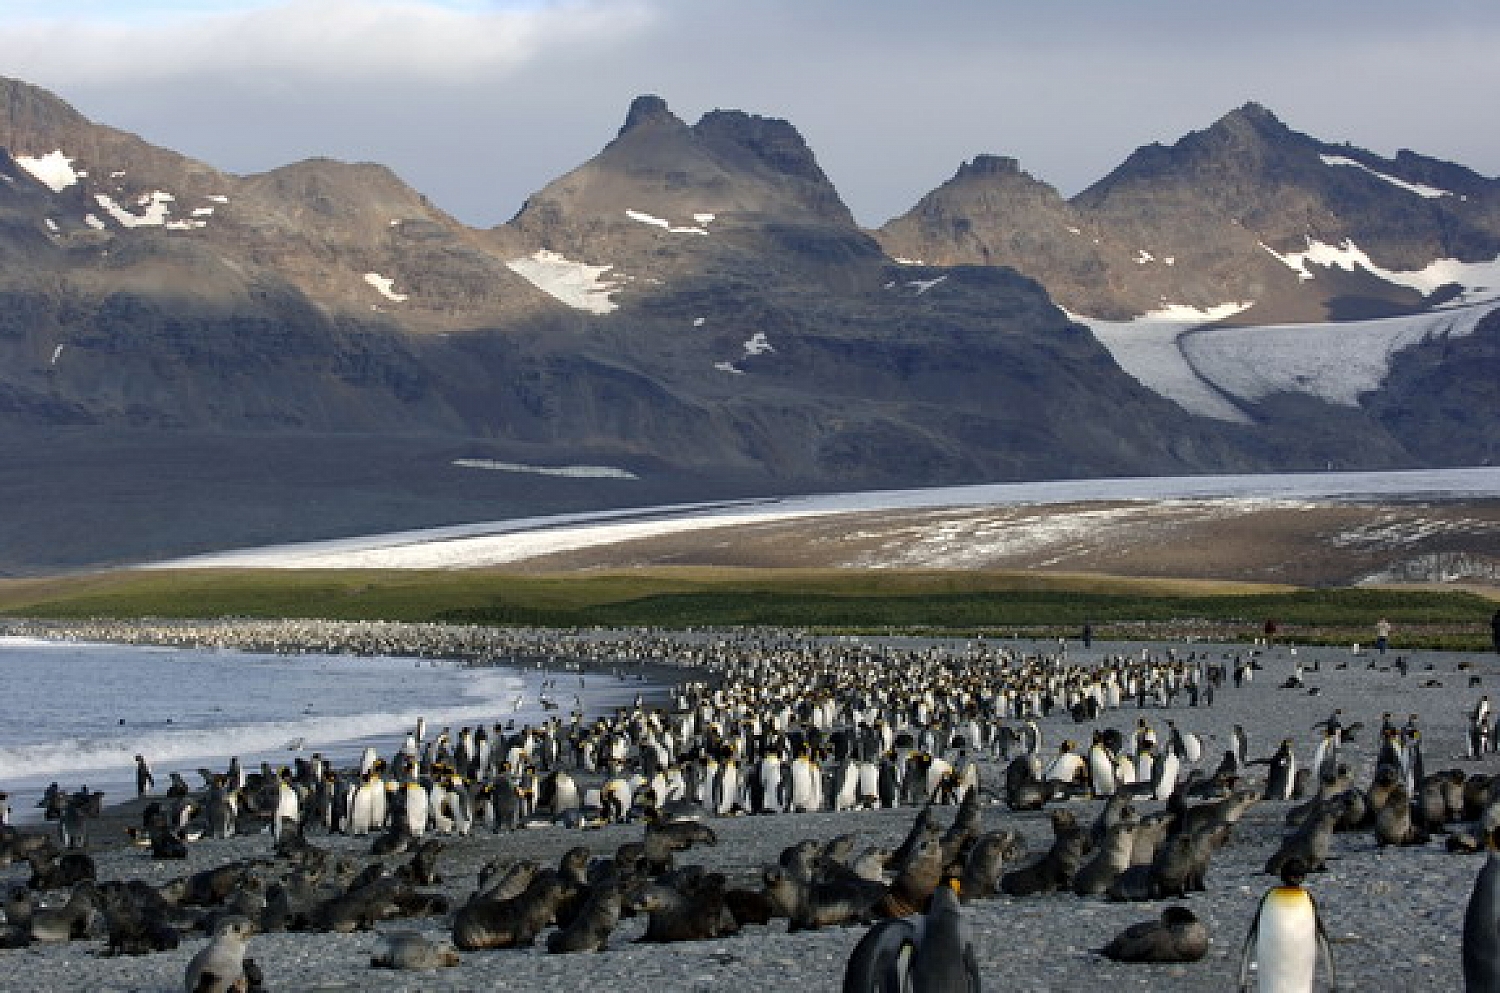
{"x":1394,"y":914}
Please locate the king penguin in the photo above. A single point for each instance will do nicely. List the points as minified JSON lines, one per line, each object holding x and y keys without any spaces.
{"x":927,"y":953}
{"x":1482,"y":926}
{"x":1285,"y":938}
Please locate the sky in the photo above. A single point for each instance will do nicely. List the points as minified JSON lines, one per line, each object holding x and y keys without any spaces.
{"x":479,"y":103}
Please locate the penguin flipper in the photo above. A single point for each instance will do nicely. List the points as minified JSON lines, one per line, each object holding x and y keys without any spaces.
{"x":1249,"y":950}
{"x":879,"y":962}
{"x":1324,"y":946}
{"x":971,"y":969}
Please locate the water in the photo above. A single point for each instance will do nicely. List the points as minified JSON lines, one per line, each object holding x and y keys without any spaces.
{"x":79,"y":713}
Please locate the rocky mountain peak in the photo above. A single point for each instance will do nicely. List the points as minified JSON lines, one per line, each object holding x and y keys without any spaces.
{"x":989,"y":165}
{"x":646,"y":110}
{"x":31,"y":116}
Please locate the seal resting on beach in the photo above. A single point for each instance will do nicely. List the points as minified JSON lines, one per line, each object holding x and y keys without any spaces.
{"x":410,"y":950}
{"x":1178,"y":936}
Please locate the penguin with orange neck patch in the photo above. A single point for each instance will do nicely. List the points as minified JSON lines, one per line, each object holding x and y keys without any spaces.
{"x":1285,"y":938}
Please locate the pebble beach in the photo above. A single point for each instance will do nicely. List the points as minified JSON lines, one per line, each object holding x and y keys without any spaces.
{"x":1394,"y":915}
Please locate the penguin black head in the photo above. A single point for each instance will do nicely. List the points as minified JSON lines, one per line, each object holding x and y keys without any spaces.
{"x":1293,"y":872}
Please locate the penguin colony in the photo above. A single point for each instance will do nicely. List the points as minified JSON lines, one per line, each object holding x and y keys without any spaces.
{"x":784,"y":726}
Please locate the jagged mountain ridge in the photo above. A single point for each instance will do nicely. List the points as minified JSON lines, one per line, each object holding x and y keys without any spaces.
{"x":695,"y":305}
{"x":1201,"y":223}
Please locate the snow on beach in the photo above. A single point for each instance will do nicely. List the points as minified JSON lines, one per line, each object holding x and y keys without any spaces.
{"x":502,"y":542}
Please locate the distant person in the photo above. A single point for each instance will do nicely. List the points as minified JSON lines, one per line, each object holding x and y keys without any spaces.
{"x":1382,"y":635}
{"x":144,"y":781}
{"x":1495,"y":630}
{"x":1269,"y":629}
{"x":1088,"y":632}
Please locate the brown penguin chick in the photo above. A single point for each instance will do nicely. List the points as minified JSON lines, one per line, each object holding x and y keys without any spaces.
{"x":1394,"y":824}
{"x":1177,"y":937}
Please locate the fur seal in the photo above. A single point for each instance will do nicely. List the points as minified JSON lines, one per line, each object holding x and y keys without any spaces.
{"x":692,"y":910}
{"x":1178,"y":936}
{"x":1309,"y":845}
{"x":1112,"y":858}
{"x":1055,"y":869}
{"x":510,"y":922}
{"x":219,"y":967}
{"x":986,"y":862}
{"x":589,"y":931}
{"x":412,"y":950}
{"x":821,"y":903}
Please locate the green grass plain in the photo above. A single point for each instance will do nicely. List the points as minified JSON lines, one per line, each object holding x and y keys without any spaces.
{"x":842,"y":600}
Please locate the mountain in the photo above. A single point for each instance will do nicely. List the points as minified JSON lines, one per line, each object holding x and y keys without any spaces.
{"x":1247,"y":212}
{"x":192,"y":360}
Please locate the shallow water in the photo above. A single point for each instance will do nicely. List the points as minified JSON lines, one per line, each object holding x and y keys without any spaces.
{"x":78,"y":713}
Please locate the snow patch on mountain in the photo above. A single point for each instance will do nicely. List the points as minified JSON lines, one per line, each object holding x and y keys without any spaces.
{"x":1478,"y":281}
{"x":385,"y":287}
{"x":923,"y":285}
{"x":1209,"y":371}
{"x":157,"y":210}
{"x":758,"y":344}
{"x":564,"y":471}
{"x":1333,"y":362}
{"x":664,"y":224}
{"x":1419,"y":189}
{"x":1148,"y":349}
{"x":577,"y":284}
{"x":53,"y":170}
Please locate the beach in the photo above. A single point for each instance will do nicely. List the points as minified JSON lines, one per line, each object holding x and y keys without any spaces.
{"x":1394,"y":915}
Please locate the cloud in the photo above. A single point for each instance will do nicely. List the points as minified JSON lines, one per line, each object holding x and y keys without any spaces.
{"x":319,"y":38}
{"x":478,"y":104}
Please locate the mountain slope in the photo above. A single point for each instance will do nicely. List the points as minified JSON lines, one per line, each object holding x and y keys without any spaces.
{"x":191,"y":359}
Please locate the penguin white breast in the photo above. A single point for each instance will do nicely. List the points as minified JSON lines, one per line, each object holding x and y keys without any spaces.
{"x":1286,"y":947}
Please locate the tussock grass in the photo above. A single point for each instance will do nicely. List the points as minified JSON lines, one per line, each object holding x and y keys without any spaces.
{"x":952,"y":602}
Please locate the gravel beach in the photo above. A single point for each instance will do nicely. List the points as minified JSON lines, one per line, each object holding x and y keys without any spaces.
{"x":1394,"y":915}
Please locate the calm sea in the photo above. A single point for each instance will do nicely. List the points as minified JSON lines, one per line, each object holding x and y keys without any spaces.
{"x":78,"y":713}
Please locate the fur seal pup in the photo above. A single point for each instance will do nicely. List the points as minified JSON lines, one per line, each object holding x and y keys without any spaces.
{"x":1309,"y":845}
{"x":1481,"y":948}
{"x":70,"y":922}
{"x":914,"y":884}
{"x":693,"y":910}
{"x":1285,"y":937}
{"x":986,"y":863}
{"x":1055,"y":869}
{"x":1178,"y":936}
{"x":1112,"y":858}
{"x":412,"y":950}
{"x":219,"y":967}
{"x":136,"y":918}
{"x":1394,"y":824}
{"x":821,"y":903}
{"x":925,"y":952}
{"x":589,"y":931}
{"x":511,"y":922}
